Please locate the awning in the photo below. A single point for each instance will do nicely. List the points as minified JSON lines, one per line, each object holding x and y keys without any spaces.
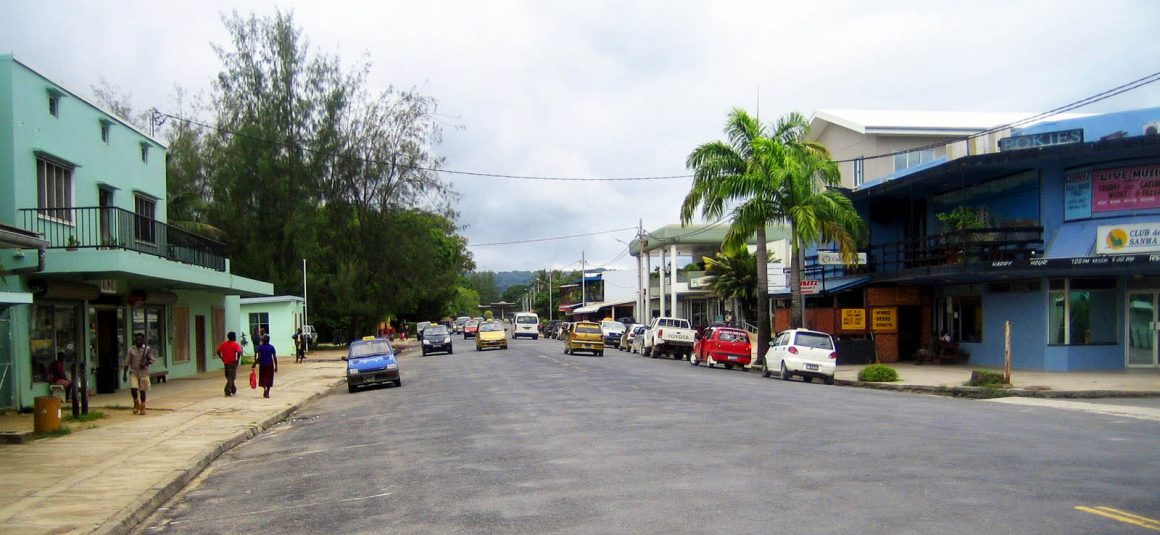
{"x":15,"y":298}
{"x":1078,"y":238}
{"x":589,"y":309}
{"x":829,"y":286}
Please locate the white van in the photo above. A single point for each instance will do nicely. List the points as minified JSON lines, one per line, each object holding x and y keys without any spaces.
{"x":526,"y":324}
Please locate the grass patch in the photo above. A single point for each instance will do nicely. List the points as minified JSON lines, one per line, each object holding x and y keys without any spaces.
{"x":986,"y":379}
{"x":92,"y":415}
{"x":60,"y":432}
{"x":878,"y":373}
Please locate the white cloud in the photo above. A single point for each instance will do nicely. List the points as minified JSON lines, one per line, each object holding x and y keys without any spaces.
{"x":615,"y":89}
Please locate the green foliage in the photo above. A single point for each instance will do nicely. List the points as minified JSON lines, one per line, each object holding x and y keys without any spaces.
{"x":92,"y":415}
{"x":734,"y":276}
{"x":514,"y":293}
{"x":59,"y":432}
{"x":963,"y":218}
{"x":484,"y":283}
{"x":465,"y":302}
{"x":878,"y":373}
{"x":986,"y":379}
{"x":488,"y":315}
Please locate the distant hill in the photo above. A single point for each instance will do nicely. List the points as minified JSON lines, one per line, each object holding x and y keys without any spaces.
{"x":507,"y":279}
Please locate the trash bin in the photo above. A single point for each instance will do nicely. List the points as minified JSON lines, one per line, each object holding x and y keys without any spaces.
{"x":47,"y":414}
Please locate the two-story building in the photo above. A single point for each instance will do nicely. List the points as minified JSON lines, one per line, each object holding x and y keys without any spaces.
{"x":90,"y":256}
{"x":1056,"y":232}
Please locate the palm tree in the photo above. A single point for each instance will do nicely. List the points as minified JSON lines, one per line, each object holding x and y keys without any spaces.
{"x":734,"y":276}
{"x":771,"y":178}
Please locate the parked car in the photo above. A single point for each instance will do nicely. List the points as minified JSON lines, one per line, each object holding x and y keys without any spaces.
{"x":669,"y":336}
{"x":565,"y":327}
{"x":420,"y":327}
{"x":437,"y":339}
{"x":630,"y":334}
{"x":639,"y":339}
{"x":804,"y":353}
{"x":491,"y":334}
{"x":551,"y":329}
{"x":527,"y":324}
{"x":611,"y":331}
{"x":459,"y":323}
{"x":371,"y":362}
{"x":584,"y":336}
{"x":470,"y":329}
{"x":727,"y":346}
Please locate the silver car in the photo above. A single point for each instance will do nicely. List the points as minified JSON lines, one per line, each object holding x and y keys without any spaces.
{"x":638,"y":337}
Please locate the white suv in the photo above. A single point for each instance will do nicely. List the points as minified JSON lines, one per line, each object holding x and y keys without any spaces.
{"x":802,"y":352}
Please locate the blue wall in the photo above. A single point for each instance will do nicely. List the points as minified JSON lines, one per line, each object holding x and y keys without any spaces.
{"x":1027,"y":314}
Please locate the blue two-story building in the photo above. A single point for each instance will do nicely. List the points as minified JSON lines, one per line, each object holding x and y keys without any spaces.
{"x":1057,"y":233}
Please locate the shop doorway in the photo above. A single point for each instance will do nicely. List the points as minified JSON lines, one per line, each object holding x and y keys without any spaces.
{"x":7,"y":392}
{"x":108,"y":350}
{"x":909,"y":331}
{"x":199,"y":342}
{"x":1142,"y":329}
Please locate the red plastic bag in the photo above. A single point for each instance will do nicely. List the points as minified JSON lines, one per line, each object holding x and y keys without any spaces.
{"x":253,"y":378}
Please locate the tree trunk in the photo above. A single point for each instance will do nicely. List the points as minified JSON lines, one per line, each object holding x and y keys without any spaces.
{"x":763,"y":326}
{"x":797,"y":304}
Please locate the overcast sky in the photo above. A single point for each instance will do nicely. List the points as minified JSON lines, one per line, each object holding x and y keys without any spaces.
{"x":620,"y":88}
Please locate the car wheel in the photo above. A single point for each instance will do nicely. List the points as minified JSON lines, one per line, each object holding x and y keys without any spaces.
{"x":600,"y":353}
{"x":765,"y":370}
{"x":398,"y":382}
{"x":830,"y":380}
{"x":784,"y":372}
{"x":351,"y":388}
{"x":477,"y":348}
{"x":565,"y":350}
{"x":450,"y":351}
{"x":536,"y":337}
{"x":424,"y":352}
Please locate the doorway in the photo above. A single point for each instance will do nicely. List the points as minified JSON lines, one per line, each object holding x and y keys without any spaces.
{"x":909,"y":331}
{"x":199,"y":341}
{"x":108,"y":350}
{"x":1142,"y":329}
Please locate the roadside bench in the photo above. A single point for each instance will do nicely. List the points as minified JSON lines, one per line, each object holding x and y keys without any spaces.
{"x":158,"y":377}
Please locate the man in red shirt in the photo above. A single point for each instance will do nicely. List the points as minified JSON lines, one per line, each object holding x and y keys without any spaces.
{"x":229,"y":351}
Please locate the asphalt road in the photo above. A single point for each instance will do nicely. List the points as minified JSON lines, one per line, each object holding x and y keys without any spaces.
{"x":530,"y":440}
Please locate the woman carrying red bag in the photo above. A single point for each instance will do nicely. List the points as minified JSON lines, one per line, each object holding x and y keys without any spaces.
{"x":267,"y":363}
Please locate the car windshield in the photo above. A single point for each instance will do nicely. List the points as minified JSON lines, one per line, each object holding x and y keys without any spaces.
{"x":526,"y":319}
{"x":733,"y":336}
{"x":490,"y":327}
{"x":588,"y":328}
{"x":366,"y":349}
{"x":612,"y":325}
{"x":437,"y":329}
{"x":817,"y":340}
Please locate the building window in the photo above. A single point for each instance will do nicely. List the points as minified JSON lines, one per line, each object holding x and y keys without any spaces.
{"x":913,"y":158}
{"x":150,"y":320}
{"x":259,"y":325}
{"x":1083,"y":312}
{"x":54,"y":190}
{"x":963,"y":318}
{"x":104,"y":132}
{"x":53,"y":331}
{"x":859,"y":176}
{"x":54,"y":105}
{"x":145,"y":225}
{"x":145,"y":152}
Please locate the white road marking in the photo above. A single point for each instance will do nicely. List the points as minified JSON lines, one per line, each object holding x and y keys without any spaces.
{"x":1126,"y":411}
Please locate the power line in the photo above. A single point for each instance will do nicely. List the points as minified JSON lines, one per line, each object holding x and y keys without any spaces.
{"x":553,"y":238}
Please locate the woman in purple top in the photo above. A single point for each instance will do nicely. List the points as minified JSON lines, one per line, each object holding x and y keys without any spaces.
{"x":267,"y":363}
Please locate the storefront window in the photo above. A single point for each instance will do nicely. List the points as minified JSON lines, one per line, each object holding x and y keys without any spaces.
{"x":1083,"y":312}
{"x":54,"y":331}
{"x":259,"y":321}
{"x":150,"y":319}
{"x":963,"y":318}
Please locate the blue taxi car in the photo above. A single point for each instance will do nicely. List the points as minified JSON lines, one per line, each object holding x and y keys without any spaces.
{"x":371,"y":362}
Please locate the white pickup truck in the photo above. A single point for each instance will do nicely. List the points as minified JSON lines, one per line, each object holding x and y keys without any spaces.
{"x":669,"y":336}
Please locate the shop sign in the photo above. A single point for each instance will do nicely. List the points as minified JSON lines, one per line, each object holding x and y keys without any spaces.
{"x":853,"y":319}
{"x":1127,"y":239}
{"x":700,"y":282}
{"x":834,"y":258}
{"x":1152,"y":260}
{"x":1126,"y":188}
{"x":810,"y":286}
{"x":1077,"y":194}
{"x":885,"y":320}
{"x":1046,"y":139}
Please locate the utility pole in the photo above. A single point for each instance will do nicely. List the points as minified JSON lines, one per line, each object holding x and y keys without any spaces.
{"x":549,"y":293}
{"x":583,"y":282}
{"x":305,"y":315}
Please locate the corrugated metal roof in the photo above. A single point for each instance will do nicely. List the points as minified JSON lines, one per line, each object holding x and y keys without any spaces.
{"x":920,"y":122}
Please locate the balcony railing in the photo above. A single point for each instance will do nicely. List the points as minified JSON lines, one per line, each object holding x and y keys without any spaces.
{"x":957,"y":247}
{"x":115,"y":228}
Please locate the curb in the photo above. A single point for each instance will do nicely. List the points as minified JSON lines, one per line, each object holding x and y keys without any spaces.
{"x":977,"y":392}
{"x":130,"y":517}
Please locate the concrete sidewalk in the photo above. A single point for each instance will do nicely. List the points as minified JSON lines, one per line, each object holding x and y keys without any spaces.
{"x":949,"y":380}
{"x":107,"y":476}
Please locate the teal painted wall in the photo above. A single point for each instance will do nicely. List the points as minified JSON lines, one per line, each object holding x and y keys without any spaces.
{"x":284,"y":319}
{"x":199,"y":304}
{"x":7,"y":166}
{"x":75,"y":137}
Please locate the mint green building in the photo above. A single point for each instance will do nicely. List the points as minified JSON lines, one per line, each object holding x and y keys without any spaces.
{"x":279,"y":316}
{"x":86,"y":255}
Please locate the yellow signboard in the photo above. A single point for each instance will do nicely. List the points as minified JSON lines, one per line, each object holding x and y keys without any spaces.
{"x":884,"y":320}
{"x":853,"y":319}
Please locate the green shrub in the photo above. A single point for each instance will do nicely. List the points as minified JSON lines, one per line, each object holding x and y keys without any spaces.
{"x":878,"y":373}
{"x":986,"y":378}
{"x":92,"y":415}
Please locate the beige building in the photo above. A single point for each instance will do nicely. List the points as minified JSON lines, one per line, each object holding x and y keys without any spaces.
{"x":872,"y":144}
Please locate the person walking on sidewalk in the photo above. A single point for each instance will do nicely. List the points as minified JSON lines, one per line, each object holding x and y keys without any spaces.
{"x":267,"y":363}
{"x":229,"y":351}
{"x":136,"y":371}
{"x":299,"y":346}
